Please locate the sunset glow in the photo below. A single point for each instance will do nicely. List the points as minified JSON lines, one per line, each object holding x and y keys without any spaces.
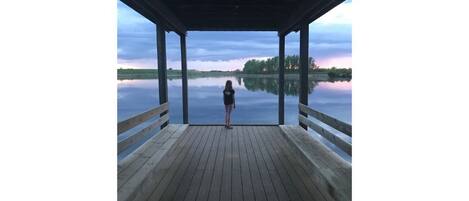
{"x":329,"y":44}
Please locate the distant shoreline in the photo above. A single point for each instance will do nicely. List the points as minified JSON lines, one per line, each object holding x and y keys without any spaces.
{"x":315,"y":76}
{"x":123,"y":74}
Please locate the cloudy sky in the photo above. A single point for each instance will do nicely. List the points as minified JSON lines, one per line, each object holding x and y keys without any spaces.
{"x":330,"y":43}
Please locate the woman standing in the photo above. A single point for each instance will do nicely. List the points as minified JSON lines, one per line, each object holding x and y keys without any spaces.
{"x":228,"y":99}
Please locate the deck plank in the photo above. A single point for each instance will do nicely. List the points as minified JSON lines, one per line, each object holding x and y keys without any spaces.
{"x":212,"y":163}
{"x":140,"y":182}
{"x":129,"y":165}
{"x":170,"y":182}
{"x":261,"y":171}
{"x":199,"y":171}
{"x":330,"y":171}
{"x":159,"y":137}
{"x":167,"y":165}
{"x":275,"y":189}
{"x":188,"y":175}
{"x":225,"y":194}
{"x":294,"y":175}
{"x":237,"y":185}
{"x":217,"y":179}
{"x":209,"y":169}
{"x":297,"y":165}
{"x":248,"y":186}
{"x":288,"y":171}
{"x":258,"y":187}
{"x":292,"y":192}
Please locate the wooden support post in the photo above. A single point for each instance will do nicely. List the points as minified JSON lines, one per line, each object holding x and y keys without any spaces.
{"x":162,"y":78}
{"x":304,"y":40}
{"x":281,"y":80}
{"x":185,"y":110}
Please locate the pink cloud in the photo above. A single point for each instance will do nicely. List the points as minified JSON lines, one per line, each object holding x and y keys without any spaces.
{"x":337,"y":86}
{"x":232,"y":64}
{"x":339,"y":62}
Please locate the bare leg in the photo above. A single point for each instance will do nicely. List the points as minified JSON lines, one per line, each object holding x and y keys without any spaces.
{"x":226,"y":115}
{"x":230,"y":107}
{"x":229,"y":120}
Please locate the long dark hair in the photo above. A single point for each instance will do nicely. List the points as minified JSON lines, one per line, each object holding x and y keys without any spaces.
{"x":228,"y":85}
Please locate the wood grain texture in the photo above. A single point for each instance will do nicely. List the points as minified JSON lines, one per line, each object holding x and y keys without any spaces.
{"x":213,"y":163}
{"x":135,"y":183}
{"x":131,"y":164}
{"x":188,"y":175}
{"x":331,"y":137}
{"x":331,"y":121}
{"x":261,"y":152}
{"x":298,"y":165}
{"x":263,"y":178}
{"x":195,"y":184}
{"x":332,"y":173}
{"x":142,"y":134}
{"x":225,"y":192}
{"x":138,"y":119}
{"x":296,"y":178}
{"x":157,"y":139}
{"x":170,"y":181}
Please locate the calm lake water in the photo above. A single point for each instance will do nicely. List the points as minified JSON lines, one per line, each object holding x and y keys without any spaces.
{"x":256,"y":100}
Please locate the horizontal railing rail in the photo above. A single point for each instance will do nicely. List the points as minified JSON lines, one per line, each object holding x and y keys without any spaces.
{"x":331,"y":137}
{"x":138,"y":119}
{"x":331,"y":121}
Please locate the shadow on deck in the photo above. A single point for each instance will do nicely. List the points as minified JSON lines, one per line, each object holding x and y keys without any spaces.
{"x":245,"y":163}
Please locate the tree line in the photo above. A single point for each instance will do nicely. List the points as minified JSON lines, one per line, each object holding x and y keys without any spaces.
{"x":336,"y":72}
{"x":292,"y":63}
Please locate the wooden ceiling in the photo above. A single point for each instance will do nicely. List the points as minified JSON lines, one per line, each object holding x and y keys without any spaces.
{"x":232,"y":15}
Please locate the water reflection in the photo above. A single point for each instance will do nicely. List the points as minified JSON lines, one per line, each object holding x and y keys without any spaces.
{"x":256,"y":99}
{"x":258,"y":96}
{"x":292,"y":86}
{"x":269,"y":85}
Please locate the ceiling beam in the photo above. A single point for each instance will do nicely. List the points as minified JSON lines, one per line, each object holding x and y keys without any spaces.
{"x":231,"y":28}
{"x":231,"y":6}
{"x":157,"y":12}
{"x":234,"y":23}
{"x":187,"y":18}
{"x":209,"y":3}
{"x":307,"y":11}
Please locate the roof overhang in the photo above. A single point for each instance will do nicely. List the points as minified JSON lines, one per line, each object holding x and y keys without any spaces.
{"x":282,"y":16}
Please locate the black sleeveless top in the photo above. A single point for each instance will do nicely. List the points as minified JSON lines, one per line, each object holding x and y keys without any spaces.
{"x":228,"y":96}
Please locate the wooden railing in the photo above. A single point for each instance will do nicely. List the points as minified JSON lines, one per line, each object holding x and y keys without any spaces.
{"x":138,"y":119}
{"x":332,"y":122}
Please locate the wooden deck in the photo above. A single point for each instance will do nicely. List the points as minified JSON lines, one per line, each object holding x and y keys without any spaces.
{"x":213,"y":163}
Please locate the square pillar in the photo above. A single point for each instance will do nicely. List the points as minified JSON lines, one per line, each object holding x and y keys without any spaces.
{"x":185,"y":106}
{"x":304,"y":43}
{"x":281,"y":80}
{"x":162,"y":75}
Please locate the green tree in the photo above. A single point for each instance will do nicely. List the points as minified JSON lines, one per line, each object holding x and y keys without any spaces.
{"x":292,"y":63}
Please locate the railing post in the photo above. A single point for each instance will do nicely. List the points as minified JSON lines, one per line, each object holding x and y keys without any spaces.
{"x":185,"y":111}
{"x":281,"y":80}
{"x":162,"y":78}
{"x":304,"y":40}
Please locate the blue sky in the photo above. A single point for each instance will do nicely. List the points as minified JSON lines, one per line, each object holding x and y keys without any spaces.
{"x":330,"y":41}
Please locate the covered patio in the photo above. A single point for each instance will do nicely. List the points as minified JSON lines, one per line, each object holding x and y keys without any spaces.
{"x":250,"y":162}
